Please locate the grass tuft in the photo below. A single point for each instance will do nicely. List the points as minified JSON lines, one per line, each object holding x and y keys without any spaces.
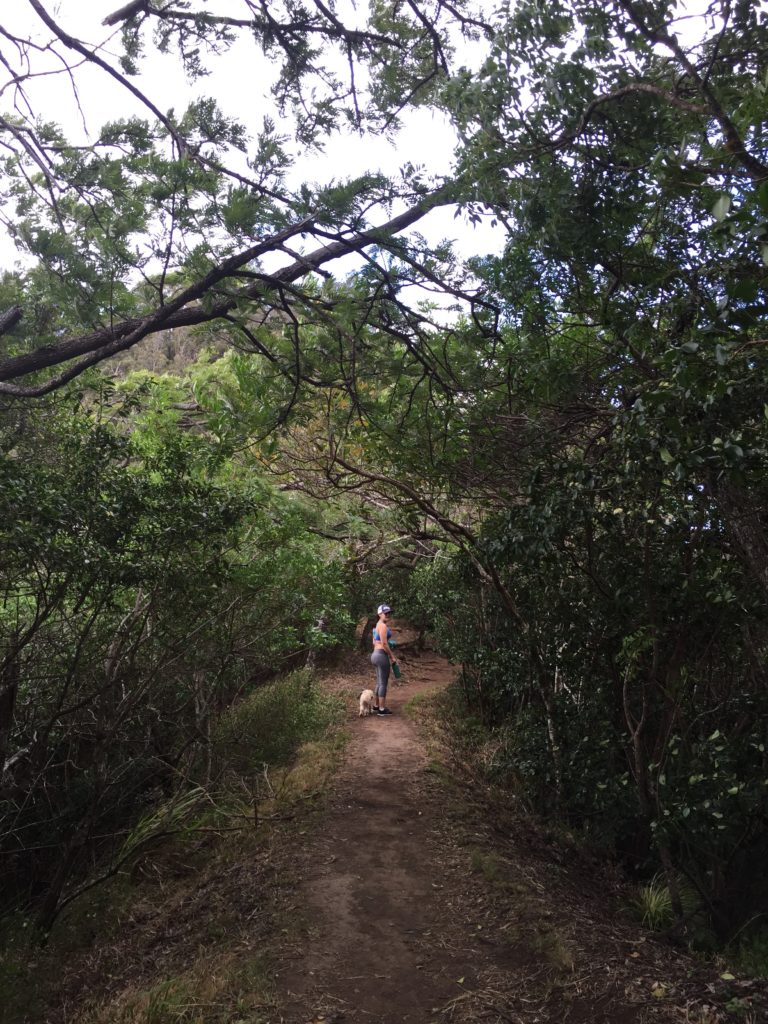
{"x":654,"y":905}
{"x":551,"y":945}
{"x":216,"y":990}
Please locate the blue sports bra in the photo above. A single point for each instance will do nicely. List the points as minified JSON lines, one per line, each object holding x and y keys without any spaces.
{"x":376,"y":635}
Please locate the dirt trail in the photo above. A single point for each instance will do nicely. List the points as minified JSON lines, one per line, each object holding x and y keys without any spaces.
{"x":422,"y":896}
{"x":382,"y":946}
{"x":419,"y":904}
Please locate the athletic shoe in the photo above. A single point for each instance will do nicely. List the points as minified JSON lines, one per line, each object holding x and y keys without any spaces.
{"x":384,"y":711}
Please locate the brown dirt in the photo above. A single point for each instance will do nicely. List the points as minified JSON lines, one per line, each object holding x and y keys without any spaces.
{"x":411,"y":893}
{"x":381,"y":946}
{"x":420,"y":904}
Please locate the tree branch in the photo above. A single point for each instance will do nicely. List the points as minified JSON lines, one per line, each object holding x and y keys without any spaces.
{"x":75,"y":44}
{"x":9,"y":319}
{"x":733,"y":141}
{"x":101,"y":344}
{"x":335,"y":30}
{"x":137,"y":7}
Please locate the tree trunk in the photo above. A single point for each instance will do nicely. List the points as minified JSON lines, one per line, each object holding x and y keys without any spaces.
{"x":745,"y":523}
{"x":366,"y":640}
{"x":322,"y":627}
{"x":49,"y":909}
{"x":553,"y":742}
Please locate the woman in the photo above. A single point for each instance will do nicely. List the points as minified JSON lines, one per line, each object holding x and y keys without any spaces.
{"x":382,"y":658}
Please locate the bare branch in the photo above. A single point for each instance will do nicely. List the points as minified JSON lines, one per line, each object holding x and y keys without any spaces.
{"x":94,"y":58}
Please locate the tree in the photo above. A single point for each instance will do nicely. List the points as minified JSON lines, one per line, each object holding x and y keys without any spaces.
{"x":149,"y":579}
{"x":619,"y":445}
{"x":591,"y":441}
{"x":583,"y":434}
{"x":193,"y":206}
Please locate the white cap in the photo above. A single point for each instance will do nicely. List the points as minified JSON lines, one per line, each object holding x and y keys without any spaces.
{"x":383,"y":609}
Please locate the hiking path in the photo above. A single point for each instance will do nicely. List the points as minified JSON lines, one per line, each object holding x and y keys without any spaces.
{"x":412,"y":915}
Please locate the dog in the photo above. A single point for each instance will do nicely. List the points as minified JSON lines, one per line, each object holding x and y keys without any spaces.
{"x":366,"y":700}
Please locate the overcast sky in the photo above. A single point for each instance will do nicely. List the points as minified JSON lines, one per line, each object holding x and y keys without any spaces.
{"x":240,"y":82}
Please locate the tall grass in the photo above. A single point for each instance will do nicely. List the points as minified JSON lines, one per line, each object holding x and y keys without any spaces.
{"x":269,"y":725}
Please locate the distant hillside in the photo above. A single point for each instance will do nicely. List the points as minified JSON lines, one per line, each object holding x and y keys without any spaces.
{"x":171,"y":351}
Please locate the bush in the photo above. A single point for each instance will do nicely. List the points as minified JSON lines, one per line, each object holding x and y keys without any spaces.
{"x":750,"y":955}
{"x":269,"y":725}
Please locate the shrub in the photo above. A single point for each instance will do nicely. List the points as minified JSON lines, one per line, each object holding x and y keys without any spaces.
{"x":268,"y":726}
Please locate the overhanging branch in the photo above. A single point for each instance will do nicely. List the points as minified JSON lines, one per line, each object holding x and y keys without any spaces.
{"x":9,"y":319}
{"x":187,"y":309}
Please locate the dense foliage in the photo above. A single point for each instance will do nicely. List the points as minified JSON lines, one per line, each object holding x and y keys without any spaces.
{"x":561,"y":457}
{"x":148,"y":582}
{"x":622,"y":456}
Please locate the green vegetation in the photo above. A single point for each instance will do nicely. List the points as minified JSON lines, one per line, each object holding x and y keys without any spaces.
{"x":554,"y":457}
{"x":750,"y":955}
{"x":149,"y":583}
{"x":191,"y":840}
{"x":267,"y":725}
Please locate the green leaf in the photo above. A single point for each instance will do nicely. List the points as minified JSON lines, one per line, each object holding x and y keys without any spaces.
{"x":746,"y":289}
{"x":721,"y":207}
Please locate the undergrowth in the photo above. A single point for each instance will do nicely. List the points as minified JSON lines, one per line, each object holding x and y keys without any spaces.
{"x":276,"y":748}
{"x":268,"y":725}
{"x":748,"y":954}
{"x":483,"y":755}
{"x":214,"y":990}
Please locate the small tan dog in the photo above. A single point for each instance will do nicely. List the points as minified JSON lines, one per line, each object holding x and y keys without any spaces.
{"x":366,"y":700}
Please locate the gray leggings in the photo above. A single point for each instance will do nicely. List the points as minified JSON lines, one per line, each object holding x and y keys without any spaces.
{"x":380,"y":661}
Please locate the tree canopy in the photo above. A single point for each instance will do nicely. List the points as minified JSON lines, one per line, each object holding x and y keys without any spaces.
{"x":561,"y":449}
{"x":169,"y":219}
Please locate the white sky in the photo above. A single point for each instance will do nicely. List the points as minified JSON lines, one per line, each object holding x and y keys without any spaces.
{"x":240,"y":83}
